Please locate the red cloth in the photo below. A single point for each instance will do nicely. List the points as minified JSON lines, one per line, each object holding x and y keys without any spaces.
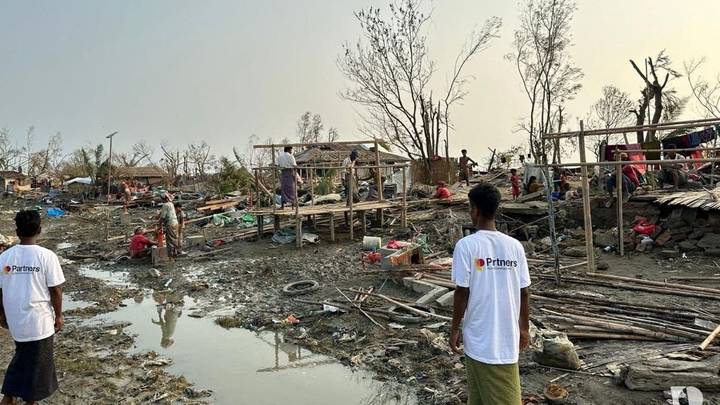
{"x":629,"y":171}
{"x":138,"y":243}
{"x":443,"y":193}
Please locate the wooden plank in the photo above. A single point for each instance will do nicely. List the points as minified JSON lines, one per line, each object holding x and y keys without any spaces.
{"x":589,"y":249}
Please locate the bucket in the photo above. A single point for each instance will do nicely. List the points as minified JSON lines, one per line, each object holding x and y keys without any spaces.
{"x":372,"y":242}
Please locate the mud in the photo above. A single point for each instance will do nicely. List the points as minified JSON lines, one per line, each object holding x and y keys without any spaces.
{"x":212,"y":328}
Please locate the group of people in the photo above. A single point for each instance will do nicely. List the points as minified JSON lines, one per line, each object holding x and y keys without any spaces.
{"x":290,"y":178}
{"x":170,"y":231}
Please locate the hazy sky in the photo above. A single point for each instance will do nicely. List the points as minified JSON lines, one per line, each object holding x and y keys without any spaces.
{"x":221,"y":70}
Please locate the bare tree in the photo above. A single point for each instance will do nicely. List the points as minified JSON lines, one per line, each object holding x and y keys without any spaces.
{"x":706,"y":93}
{"x":390,"y":72}
{"x":140,"y":151}
{"x":198,"y":155}
{"x":612,"y":110}
{"x":254,"y":157}
{"x":333,"y":134}
{"x":47,"y":160}
{"x":309,"y":127}
{"x":171,"y":160}
{"x":548,"y":75}
{"x":7,"y":151}
{"x":666,"y":102}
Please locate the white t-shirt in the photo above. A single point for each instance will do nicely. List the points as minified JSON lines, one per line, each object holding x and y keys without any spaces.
{"x":286,"y":160}
{"x":494,"y":267}
{"x":26,"y":273}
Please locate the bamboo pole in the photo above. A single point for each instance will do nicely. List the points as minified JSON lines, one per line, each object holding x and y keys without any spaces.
{"x":403,"y":215}
{"x":360,"y":309}
{"x":296,"y":145}
{"x":404,"y":306}
{"x":311,"y":178}
{"x":657,"y":127}
{"x":710,"y":338}
{"x":378,"y":183}
{"x":589,"y":249}
{"x":351,"y":200}
{"x":277,"y":179}
{"x":619,"y":197}
{"x":655,"y":283}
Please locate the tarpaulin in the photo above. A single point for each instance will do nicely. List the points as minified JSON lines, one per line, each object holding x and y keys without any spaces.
{"x":610,"y":155}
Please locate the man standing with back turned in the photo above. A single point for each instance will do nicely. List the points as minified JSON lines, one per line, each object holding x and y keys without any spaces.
{"x":31,"y":297}
{"x":492,"y":278}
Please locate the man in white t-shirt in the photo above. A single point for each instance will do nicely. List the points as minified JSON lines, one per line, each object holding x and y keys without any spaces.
{"x":31,"y":308}
{"x":492,"y":278}
{"x":288,"y":177}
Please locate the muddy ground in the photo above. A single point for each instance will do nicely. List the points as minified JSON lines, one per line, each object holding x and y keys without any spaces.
{"x":240,"y":287}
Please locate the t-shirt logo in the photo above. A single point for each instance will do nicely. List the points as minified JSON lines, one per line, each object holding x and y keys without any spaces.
{"x":479,"y":264}
{"x":20,"y":269}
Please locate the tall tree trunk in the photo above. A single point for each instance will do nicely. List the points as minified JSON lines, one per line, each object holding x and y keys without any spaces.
{"x":657,"y":114}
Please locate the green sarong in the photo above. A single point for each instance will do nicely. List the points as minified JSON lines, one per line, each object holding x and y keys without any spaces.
{"x":492,"y":384}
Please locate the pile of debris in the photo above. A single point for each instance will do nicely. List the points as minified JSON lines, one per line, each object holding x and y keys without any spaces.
{"x":683,"y":231}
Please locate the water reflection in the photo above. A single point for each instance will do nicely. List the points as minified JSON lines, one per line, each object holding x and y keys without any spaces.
{"x":242,"y":367}
{"x":168,"y":314}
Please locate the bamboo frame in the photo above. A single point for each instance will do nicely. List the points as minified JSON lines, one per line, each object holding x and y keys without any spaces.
{"x":584,"y":165}
{"x":349,"y":206}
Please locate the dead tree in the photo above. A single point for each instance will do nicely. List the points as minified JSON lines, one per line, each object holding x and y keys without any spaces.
{"x":390,"y":72}
{"x":654,"y":90}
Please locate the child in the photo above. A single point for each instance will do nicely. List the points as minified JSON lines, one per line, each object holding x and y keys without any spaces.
{"x":140,"y":244}
{"x":31,"y":308}
{"x":442,"y":192}
{"x":515,"y":181}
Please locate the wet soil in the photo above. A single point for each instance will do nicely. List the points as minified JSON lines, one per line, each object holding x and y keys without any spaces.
{"x":214,"y":328}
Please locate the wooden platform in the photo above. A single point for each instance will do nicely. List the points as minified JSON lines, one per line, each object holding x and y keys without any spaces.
{"x":307,"y":210}
{"x":329,"y":210}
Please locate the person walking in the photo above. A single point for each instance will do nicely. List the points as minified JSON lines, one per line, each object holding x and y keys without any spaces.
{"x":492,"y":300}
{"x":31,"y":282}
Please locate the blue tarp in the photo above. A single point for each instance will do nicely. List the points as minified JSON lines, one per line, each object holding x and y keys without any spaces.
{"x":55,"y":212}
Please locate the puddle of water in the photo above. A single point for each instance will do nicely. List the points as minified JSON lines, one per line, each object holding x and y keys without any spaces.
{"x":244,"y":367}
{"x":70,"y":303}
{"x":111,"y":278}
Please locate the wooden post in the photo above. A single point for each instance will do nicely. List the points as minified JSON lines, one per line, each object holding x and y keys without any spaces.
{"x":260,"y":226}
{"x":311,"y":179}
{"x":364,"y":221}
{"x":551,"y":221}
{"x":378,"y":184}
{"x":586,"y":202}
{"x":403,"y":215}
{"x":298,"y":232}
{"x":277,"y":179}
{"x":276,"y":223}
{"x":297,"y":202}
{"x":619,"y":197}
{"x":257,"y":189}
{"x":332,"y":227}
{"x":350,"y":196}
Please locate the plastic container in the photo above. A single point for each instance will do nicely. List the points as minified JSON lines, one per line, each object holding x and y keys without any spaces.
{"x":372,"y":243}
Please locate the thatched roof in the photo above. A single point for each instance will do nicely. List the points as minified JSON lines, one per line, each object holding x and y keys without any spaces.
{"x":329,"y":154}
{"x":705,"y":199}
{"x":11,"y":174}
{"x":144,"y":172}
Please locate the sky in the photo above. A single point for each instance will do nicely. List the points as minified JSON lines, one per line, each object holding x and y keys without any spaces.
{"x":184,"y":71}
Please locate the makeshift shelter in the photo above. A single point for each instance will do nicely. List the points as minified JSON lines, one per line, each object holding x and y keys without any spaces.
{"x":150,"y":175}
{"x":11,"y":181}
